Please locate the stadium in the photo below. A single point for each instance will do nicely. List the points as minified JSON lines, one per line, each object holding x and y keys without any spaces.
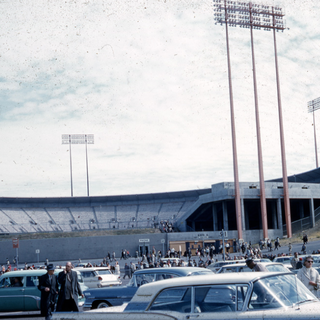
{"x":180,"y":220}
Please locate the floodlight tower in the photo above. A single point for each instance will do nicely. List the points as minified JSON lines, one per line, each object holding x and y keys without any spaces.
{"x":233,"y":132}
{"x":255,"y":16}
{"x":78,"y":139}
{"x":314,"y":105}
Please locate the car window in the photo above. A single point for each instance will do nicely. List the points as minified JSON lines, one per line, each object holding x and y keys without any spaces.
{"x":144,"y":278}
{"x":173,"y":299}
{"x":218,"y":298}
{"x":245,"y":269}
{"x":164,"y":275}
{"x":32,"y":281}
{"x":103,"y":272}
{"x":276,"y":268}
{"x":5,"y":282}
{"x":11,"y":282}
{"x":87,"y":274}
{"x":228,"y":270}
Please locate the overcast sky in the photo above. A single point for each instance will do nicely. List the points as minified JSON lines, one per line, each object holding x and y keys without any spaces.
{"x":149,"y":79}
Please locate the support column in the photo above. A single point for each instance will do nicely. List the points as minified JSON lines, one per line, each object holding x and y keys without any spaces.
{"x":215,"y":217}
{"x":312,"y":217}
{"x":279,"y":213}
{"x":274,"y":216}
{"x":243,"y":215}
{"x":225,"y":215}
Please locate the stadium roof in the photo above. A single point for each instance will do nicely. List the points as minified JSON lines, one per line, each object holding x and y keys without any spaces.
{"x":312,"y":176}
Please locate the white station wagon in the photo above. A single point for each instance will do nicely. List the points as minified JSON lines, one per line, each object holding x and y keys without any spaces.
{"x":98,"y":277}
{"x":252,"y":295}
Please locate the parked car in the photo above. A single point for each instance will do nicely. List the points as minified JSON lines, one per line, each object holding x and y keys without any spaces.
{"x":97,"y":277}
{"x":172,"y":260}
{"x":26,"y":296}
{"x":263,"y":295}
{"x":242,"y":267}
{"x":217,"y":265}
{"x":115,"y":296}
{"x":285,"y":260}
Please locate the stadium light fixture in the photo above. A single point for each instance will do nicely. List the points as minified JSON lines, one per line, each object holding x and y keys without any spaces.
{"x":260,"y":17}
{"x":78,"y":139}
{"x":314,"y":105}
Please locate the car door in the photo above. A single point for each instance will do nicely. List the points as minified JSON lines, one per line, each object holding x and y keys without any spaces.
{"x":32,"y":295}
{"x":11,"y":296}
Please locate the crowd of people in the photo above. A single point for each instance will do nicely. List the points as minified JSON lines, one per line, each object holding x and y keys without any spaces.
{"x":166,"y":226}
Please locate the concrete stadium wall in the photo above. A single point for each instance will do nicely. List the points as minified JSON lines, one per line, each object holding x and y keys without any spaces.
{"x":57,"y":249}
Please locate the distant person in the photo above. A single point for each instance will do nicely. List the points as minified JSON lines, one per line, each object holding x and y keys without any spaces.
{"x":3,"y":270}
{"x":132,"y":269}
{"x":70,"y":289}
{"x":309,"y":276}
{"x":294,"y":260}
{"x":255,"y":267}
{"x":126,"y":271}
{"x":305,"y":239}
{"x":48,"y":285}
{"x":117,"y":269}
{"x":290,"y":248}
{"x":299,"y":263}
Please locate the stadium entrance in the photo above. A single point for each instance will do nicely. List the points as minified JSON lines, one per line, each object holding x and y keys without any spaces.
{"x":184,"y":246}
{"x":143,"y":249}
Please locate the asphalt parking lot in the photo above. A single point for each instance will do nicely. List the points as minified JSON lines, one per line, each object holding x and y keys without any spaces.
{"x":315,"y":245}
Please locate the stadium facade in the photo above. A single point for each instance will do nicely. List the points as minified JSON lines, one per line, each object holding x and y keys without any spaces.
{"x":197,"y":216}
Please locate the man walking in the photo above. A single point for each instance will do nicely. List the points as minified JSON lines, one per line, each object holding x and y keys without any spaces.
{"x":126,"y":271}
{"x":132,"y":269}
{"x":48,"y":285}
{"x":70,"y":289}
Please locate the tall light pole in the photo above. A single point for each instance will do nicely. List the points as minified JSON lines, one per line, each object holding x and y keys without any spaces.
{"x":78,"y":139}
{"x":256,"y":16}
{"x":314,"y":105}
{"x":234,"y":140}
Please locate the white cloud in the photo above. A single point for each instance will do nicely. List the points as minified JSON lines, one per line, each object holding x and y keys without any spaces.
{"x":149,"y":80}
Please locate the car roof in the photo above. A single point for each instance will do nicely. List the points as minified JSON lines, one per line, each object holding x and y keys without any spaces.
{"x":150,"y":289}
{"x":244,"y":264}
{"x":90,"y":268}
{"x":176,"y":270}
{"x":22,"y":273}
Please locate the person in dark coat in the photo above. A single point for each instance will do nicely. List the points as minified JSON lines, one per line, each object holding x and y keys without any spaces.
{"x":70,"y":289}
{"x":48,"y":285}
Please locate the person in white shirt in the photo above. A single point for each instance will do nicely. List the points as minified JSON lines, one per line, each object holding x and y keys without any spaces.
{"x":309,"y":276}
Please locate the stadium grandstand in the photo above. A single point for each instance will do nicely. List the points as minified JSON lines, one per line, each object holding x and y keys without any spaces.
{"x":211,"y":209}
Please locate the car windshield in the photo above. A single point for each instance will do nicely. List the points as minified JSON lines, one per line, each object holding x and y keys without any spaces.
{"x":142,"y":278}
{"x":279,"y":291}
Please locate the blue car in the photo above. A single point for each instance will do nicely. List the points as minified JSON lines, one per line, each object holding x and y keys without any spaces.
{"x":116,"y":296}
